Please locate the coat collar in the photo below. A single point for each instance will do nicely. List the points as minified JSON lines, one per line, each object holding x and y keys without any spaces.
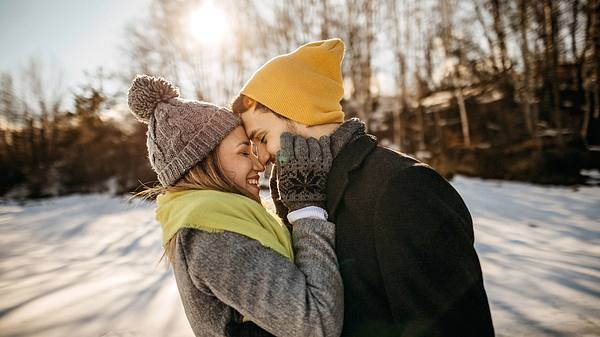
{"x":348,"y":160}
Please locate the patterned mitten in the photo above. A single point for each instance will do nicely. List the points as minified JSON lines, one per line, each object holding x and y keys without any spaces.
{"x":302,"y":169}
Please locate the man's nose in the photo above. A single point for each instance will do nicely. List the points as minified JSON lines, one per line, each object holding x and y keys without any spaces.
{"x":263,"y":156}
{"x":258,"y":166}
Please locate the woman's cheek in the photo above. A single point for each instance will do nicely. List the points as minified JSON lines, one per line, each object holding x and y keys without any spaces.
{"x":246,"y":166}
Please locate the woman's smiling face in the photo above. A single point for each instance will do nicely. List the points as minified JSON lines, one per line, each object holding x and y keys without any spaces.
{"x":239,"y":162}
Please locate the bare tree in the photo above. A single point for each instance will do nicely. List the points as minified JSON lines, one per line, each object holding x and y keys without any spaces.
{"x":446,"y":31}
{"x":530,"y":119}
{"x":551,"y":52}
{"x":492,"y":45}
{"x":326,"y":24}
{"x":8,"y":122}
{"x":591,"y":65}
{"x":360,"y":37}
{"x":397,"y":24}
{"x":497,"y":8}
{"x":8,"y":114}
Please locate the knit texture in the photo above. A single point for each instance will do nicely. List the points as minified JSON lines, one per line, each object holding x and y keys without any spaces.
{"x":345,"y":134}
{"x":180,"y":132}
{"x":305,"y":85}
{"x":302,"y":168}
{"x":222,"y":276}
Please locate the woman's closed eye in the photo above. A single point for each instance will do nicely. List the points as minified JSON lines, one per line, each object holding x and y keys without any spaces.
{"x":246,"y":152}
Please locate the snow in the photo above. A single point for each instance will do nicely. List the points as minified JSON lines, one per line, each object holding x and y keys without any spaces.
{"x":540,"y":252}
{"x":87,"y":265}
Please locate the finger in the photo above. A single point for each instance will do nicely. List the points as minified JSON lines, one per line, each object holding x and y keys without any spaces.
{"x":273,"y":183}
{"x":324,"y":141}
{"x":286,"y":151}
{"x":300,"y":148}
{"x":314,"y":149}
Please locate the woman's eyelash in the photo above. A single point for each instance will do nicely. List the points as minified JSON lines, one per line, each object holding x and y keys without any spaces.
{"x":262,"y":140}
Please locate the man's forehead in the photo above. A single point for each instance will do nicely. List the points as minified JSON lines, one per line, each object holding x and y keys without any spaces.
{"x":253,"y":123}
{"x":247,"y":124}
{"x":253,"y":132}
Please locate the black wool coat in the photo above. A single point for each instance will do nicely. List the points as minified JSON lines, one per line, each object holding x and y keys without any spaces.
{"x":404,"y":241}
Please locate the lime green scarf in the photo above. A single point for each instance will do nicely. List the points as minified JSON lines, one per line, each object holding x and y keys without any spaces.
{"x":214,"y":212}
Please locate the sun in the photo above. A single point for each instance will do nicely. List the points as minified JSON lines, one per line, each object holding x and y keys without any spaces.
{"x":208,"y":24}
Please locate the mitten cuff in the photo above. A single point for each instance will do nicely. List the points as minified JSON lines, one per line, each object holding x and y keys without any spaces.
{"x":307,"y":212}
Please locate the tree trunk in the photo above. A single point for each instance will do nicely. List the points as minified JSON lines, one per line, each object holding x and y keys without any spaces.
{"x":487,"y":36}
{"x":367,"y":71}
{"x":457,"y":90}
{"x":421,"y":122}
{"x":574,"y":14}
{"x":326,"y":22}
{"x":500,"y":34}
{"x":464,"y":119}
{"x":591,"y":66}
{"x":527,"y":90}
{"x":360,"y":44}
{"x":398,"y":132}
{"x":584,"y":68}
{"x":551,"y":51}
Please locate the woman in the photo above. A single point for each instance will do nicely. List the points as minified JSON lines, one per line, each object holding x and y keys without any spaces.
{"x":238,"y":270}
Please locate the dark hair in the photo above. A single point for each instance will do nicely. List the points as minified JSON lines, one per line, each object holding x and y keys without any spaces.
{"x":242,"y":103}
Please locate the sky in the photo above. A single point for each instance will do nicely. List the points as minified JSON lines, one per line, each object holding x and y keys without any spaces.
{"x":71,"y":35}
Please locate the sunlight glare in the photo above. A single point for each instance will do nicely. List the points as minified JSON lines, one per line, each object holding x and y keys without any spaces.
{"x":208,"y":24}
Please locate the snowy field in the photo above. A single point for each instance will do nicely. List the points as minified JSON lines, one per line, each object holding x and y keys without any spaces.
{"x":87,"y":265}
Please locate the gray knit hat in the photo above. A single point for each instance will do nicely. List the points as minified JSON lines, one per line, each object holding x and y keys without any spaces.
{"x":180,"y":132}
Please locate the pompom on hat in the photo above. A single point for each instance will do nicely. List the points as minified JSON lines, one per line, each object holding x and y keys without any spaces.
{"x":181,"y":133}
{"x":145,"y":94}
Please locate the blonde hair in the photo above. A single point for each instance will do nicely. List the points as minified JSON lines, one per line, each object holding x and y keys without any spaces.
{"x":206,"y":175}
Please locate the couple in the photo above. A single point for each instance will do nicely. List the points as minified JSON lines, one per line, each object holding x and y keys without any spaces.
{"x":366,"y":241}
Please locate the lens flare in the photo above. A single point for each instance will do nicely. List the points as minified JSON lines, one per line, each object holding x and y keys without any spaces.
{"x":208,"y":24}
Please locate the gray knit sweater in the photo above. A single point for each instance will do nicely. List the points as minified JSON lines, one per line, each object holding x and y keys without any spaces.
{"x":221,"y":276}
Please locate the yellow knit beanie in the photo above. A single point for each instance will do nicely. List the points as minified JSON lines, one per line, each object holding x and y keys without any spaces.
{"x":305,"y":85}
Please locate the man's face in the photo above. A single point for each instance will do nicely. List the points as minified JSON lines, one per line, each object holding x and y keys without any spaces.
{"x":264,"y":129}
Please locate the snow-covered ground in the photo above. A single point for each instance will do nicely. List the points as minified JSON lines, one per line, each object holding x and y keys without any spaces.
{"x":87,"y":265}
{"x":540,"y":253}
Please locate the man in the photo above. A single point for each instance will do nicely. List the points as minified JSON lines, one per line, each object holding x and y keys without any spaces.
{"x":404,"y":236}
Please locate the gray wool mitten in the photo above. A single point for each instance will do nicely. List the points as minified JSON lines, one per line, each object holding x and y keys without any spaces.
{"x":302,"y":169}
